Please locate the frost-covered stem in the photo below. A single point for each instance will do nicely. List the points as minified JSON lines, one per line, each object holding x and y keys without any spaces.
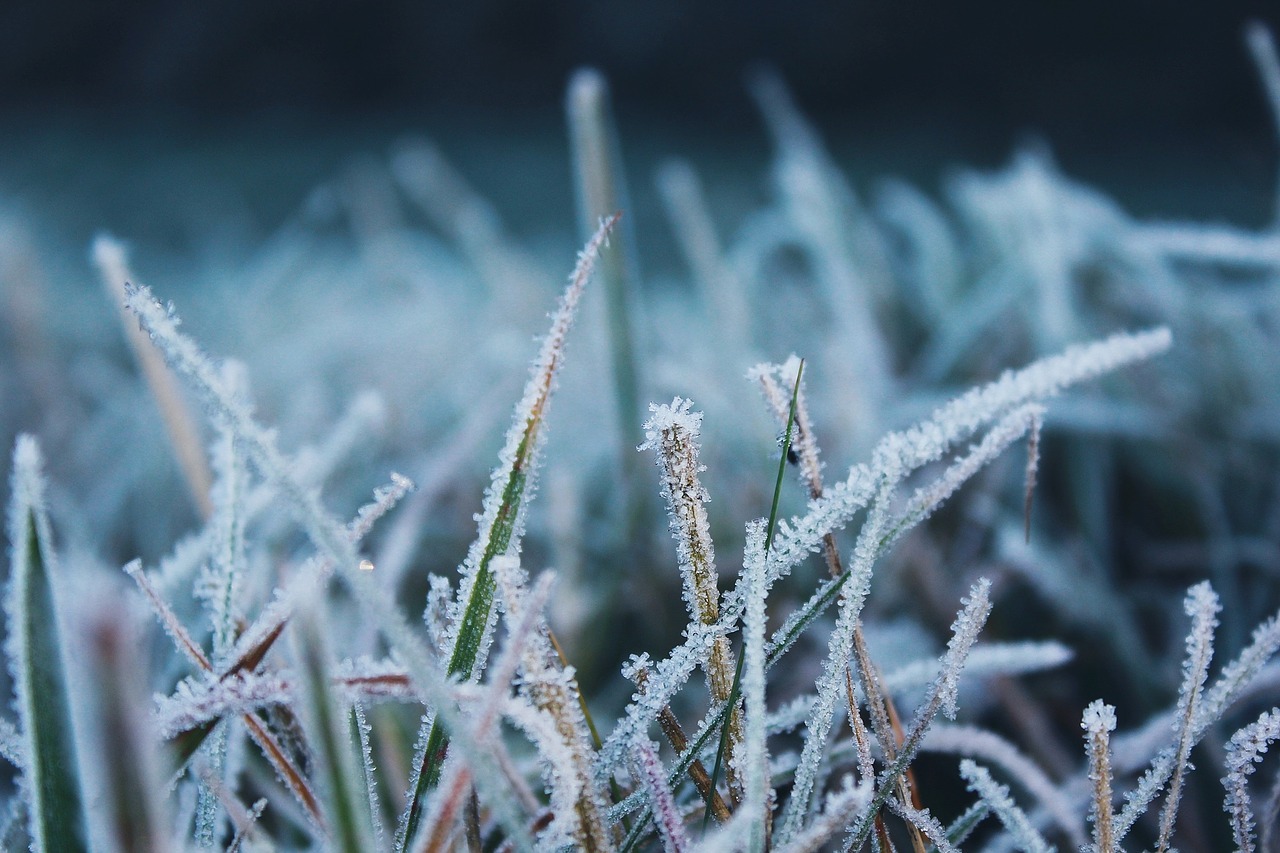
{"x":666,"y":813}
{"x":1202,"y":606}
{"x":672,"y":432}
{"x":754,"y":751}
{"x":110,"y":257}
{"x":1244,"y":751}
{"x":363,"y":730}
{"x":1099,"y":721}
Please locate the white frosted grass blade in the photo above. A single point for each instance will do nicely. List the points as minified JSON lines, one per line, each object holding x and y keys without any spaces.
{"x":385,"y":499}
{"x":1209,"y":705}
{"x":330,"y":537}
{"x":673,"y":431}
{"x":954,"y":422}
{"x":753,"y":756}
{"x":973,"y":742}
{"x":666,"y":814}
{"x":110,"y":257}
{"x":1244,"y":750}
{"x":1099,"y":722}
{"x":987,"y":660}
{"x":369,"y":775}
{"x":51,"y":781}
{"x":997,"y":797}
{"x":1202,"y":606}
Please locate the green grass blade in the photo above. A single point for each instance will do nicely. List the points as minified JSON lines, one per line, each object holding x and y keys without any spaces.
{"x":501,"y":523}
{"x":51,"y":775}
{"x":346,"y":811}
{"x":768,"y":541}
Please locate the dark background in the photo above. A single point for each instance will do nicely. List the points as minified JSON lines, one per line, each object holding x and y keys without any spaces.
{"x":1135,"y":96}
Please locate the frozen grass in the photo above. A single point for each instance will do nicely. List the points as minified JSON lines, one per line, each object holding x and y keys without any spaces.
{"x":300,"y":705}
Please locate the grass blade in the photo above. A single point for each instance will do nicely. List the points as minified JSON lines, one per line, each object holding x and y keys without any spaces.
{"x":51,"y":773}
{"x":501,"y":524}
{"x":326,"y":727}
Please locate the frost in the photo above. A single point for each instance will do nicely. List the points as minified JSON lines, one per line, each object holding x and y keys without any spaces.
{"x":997,"y":797}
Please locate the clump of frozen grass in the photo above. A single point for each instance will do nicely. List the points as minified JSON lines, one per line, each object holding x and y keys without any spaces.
{"x":306,"y":743}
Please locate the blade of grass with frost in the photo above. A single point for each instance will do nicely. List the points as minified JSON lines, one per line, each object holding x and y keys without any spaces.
{"x":1202,"y":606}
{"x":502,"y":521}
{"x":51,"y":770}
{"x":1245,"y":750}
{"x":346,"y":816}
{"x":1098,"y":723}
{"x":755,"y":751}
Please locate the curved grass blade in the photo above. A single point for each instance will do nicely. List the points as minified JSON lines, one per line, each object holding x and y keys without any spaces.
{"x":51,"y":775}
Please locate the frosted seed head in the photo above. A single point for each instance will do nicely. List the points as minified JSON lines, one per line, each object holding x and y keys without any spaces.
{"x":1099,"y":717}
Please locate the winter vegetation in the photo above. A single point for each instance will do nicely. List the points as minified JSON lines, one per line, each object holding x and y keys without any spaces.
{"x":973,"y":514}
